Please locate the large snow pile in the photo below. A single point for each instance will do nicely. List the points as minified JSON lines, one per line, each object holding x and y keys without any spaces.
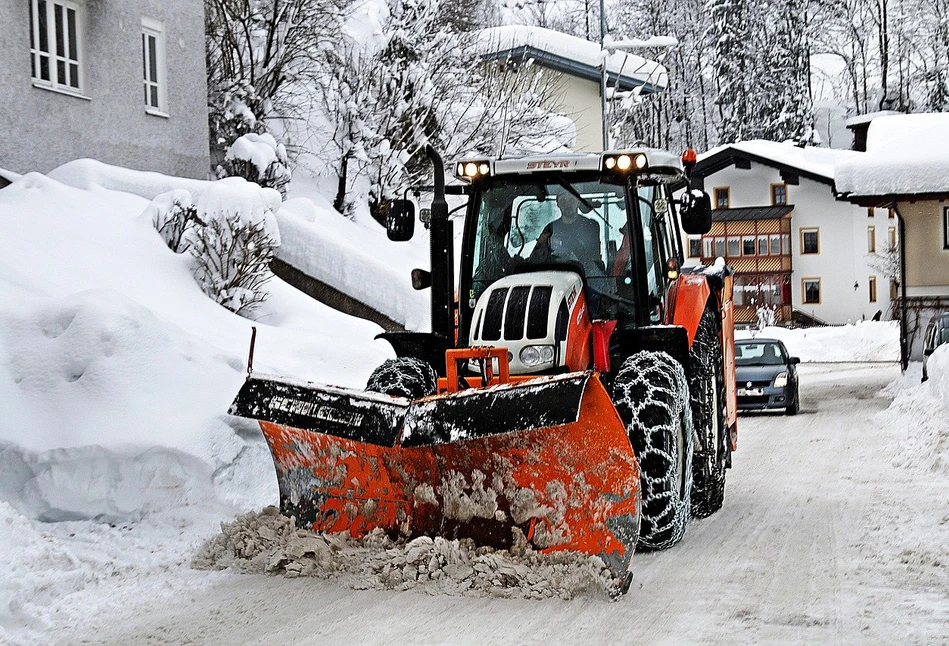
{"x":269,"y":542}
{"x":921,"y":412}
{"x":116,"y":372}
{"x":907,"y":153}
{"x":354,"y":256}
{"x":864,"y":341}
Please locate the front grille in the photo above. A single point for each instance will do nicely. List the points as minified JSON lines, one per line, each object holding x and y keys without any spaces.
{"x":516,"y":312}
{"x":493,"y":314}
{"x":513,"y":309}
{"x":754,"y":384}
{"x":754,"y":400}
{"x":538,"y":312}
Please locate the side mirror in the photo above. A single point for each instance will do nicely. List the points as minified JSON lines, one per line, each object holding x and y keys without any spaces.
{"x":421,"y":279}
{"x":400,"y":220}
{"x":695,"y":209}
{"x":794,"y":360}
{"x":928,"y":351}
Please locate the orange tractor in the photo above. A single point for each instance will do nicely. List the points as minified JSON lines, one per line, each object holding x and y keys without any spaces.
{"x":579,"y":395}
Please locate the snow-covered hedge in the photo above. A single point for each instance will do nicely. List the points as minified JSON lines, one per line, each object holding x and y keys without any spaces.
{"x":259,"y":159}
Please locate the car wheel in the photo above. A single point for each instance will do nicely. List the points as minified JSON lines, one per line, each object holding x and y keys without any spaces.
{"x":795,"y":406}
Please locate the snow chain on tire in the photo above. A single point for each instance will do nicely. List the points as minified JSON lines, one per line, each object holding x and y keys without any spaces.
{"x":651,"y":395}
{"x":404,"y":377}
{"x":706,"y":386}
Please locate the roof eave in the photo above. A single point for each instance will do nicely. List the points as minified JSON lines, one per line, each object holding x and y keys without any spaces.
{"x":725,"y":158}
{"x":570,"y":66}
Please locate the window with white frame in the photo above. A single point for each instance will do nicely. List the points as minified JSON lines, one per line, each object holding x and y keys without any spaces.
{"x":153,"y":65}
{"x":55,"y":44}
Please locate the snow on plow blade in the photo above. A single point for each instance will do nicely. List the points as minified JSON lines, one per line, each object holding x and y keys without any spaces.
{"x":548,"y":456}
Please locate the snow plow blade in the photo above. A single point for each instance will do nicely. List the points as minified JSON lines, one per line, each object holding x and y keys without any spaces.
{"x":548,"y":456}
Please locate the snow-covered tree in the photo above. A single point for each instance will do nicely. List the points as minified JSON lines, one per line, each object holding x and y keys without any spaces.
{"x":731,"y":34}
{"x":257,"y":52}
{"x":786,"y":110}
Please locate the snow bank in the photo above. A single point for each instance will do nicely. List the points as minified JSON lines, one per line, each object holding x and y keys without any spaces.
{"x":269,"y":542}
{"x":906,"y":154}
{"x":922,"y":411}
{"x":356,"y":259}
{"x":116,"y":373}
{"x":863,"y":341}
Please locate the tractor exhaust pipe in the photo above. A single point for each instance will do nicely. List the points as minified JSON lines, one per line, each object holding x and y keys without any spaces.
{"x":442,"y":255}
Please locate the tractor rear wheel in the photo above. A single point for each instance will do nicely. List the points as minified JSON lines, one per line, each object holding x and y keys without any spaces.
{"x":707,"y":389}
{"x":404,"y":377}
{"x":651,"y":395}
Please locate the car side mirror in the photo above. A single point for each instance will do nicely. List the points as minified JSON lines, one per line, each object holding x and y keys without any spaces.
{"x":400,"y":220}
{"x":794,"y":360}
{"x":695,"y":209}
{"x":929,"y":351}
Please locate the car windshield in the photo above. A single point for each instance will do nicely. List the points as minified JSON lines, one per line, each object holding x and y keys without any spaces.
{"x":758,"y":354}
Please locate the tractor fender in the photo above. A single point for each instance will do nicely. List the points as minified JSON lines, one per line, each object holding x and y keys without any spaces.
{"x":688,"y":296}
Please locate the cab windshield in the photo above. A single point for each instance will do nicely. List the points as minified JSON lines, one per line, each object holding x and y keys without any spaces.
{"x":550,"y":224}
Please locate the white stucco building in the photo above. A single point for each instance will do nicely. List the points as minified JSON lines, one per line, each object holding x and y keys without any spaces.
{"x":574,"y":67}
{"x":121,"y":81}
{"x":792,"y":244}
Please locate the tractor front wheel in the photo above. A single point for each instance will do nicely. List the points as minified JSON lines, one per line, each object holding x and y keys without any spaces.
{"x":404,"y":377}
{"x":707,"y":389}
{"x":652,"y":397}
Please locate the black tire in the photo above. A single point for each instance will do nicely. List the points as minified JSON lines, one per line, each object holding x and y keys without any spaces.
{"x":404,"y":377}
{"x":795,"y":406}
{"x":707,"y":390}
{"x":651,"y":395}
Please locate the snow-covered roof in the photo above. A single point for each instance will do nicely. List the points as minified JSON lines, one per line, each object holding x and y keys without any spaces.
{"x":868,"y":117}
{"x":811,"y":160}
{"x":571,"y":55}
{"x":907,"y":154}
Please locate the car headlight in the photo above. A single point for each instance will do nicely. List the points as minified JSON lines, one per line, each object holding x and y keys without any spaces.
{"x":781,"y":380}
{"x":534,"y":355}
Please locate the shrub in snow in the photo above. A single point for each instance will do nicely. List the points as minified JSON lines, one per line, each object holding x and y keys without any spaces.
{"x":175,"y":217}
{"x":259,"y":159}
{"x":232,"y":261}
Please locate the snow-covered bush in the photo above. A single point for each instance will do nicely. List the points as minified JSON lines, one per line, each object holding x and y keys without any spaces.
{"x":232,"y":261}
{"x":228,"y":227}
{"x":175,"y":217}
{"x":259,"y":159}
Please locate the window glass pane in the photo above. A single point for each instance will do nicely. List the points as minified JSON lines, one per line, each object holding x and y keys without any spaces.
{"x":695,"y":247}
{"x":871,"y":239}
{"x":32,"y":29}
{"x":775,"y":245}
{"x":811,"y":291}
{"x":809,"y":241}
{"x":44,"y":68}
{"x":73,"y":53}
{"x":720,"y":247}
{"x":61,"y":72}
{"x":44,"y":29}
{"x":145,"y":60}
{"x":154,"y":95}
{"x":721,"y":198}
{"x":74,"y":75}
{"x":60,"y":31}
{"x":734,"y":246}
{"x":152,"y":59}
{"x":786,"y":244}
{"x":748,"y":246}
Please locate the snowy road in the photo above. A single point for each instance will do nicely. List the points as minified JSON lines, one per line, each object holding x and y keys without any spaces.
{"x":821,"y":540}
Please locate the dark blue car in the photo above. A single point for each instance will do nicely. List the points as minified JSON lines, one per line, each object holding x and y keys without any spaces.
{"x":766,"y":376}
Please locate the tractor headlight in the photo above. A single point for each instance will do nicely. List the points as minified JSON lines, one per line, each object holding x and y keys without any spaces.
{"x":535,"y":355}
{"x":471,"y":170}
{"x":781,"y":380}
